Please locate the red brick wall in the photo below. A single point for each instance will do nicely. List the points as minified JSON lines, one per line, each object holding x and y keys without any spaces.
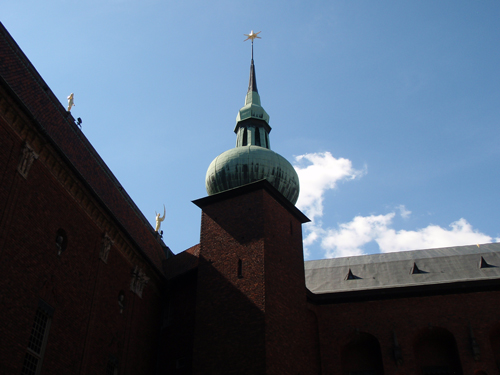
{"x":27,"y":86}
{"x":256,"y":323}
{"x":86,"y":325}
{"x":229,"y":332}
{"x":409,"y":318}
{"x":288,"y":324}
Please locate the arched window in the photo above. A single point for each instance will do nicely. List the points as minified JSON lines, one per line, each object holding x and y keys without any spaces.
{"x":257,"y":136}
{"x":245,"y":137}
{"x":362,"y":356}
{"x":38,"y":339}
{"x":436,"y":353}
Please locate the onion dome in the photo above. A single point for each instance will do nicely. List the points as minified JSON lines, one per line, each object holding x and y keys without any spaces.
{"x":252,"y":159}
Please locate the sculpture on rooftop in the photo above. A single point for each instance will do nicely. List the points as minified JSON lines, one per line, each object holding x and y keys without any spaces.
{"x":159,"y":219}
{"x":70,"y":102}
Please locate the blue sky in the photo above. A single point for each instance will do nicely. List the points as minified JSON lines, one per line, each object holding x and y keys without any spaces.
{"x":388,"y":109}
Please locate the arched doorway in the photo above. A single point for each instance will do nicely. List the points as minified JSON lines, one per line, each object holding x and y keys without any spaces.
{"x":362,"y":356}
{"x":436,"y":353}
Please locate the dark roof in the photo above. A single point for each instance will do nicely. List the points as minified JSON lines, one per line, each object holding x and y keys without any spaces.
{"x":418,"y":268}
{"x":22,"y":79}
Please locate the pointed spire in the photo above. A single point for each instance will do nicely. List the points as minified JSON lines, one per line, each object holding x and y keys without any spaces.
{"x":252,"y":121}
{"x":252,"y":108}
{"x":252,"y":84}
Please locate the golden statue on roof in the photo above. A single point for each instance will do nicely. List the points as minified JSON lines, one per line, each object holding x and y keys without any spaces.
{"x":71,"y":101}
{"x":159,"y":219}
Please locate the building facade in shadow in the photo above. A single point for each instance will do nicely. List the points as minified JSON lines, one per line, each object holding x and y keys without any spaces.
{"x":89,"y":287}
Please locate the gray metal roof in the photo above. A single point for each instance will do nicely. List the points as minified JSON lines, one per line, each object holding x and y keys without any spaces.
{"x":393,"y":270}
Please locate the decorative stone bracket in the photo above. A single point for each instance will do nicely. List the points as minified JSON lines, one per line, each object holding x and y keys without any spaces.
{"x":27,"y":158}
{"x":139,"y":280}
{"x":105,"y":247}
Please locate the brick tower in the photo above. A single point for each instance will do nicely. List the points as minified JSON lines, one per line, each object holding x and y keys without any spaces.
{"x":251,"y":313}
{"x":251,"y":303}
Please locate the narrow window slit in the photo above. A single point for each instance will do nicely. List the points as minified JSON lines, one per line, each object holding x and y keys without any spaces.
{"x":240,"y":269}
{"x":245,"y":137}
{"x":257,"y":137}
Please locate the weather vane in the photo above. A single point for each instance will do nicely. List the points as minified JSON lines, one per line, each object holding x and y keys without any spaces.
{"x":252,"y":36}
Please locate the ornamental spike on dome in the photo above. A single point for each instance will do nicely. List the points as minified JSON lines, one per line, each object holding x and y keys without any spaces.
{"x":252,"y":159}
{"x":252,"y":108}
{"x":252,"y":83}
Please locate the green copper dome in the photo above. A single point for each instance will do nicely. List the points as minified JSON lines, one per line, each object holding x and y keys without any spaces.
{"x":252,"y":159}
{"x":243,"y":165}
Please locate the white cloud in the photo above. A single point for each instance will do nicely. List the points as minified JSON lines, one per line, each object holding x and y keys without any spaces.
{"x":405,"y":214}
{"x":350,"y":237}
{"x":319,"y":172}
{"x":432,"y":236}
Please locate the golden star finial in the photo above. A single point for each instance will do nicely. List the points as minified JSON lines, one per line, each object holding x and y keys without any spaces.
{"x":252,"y":36}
